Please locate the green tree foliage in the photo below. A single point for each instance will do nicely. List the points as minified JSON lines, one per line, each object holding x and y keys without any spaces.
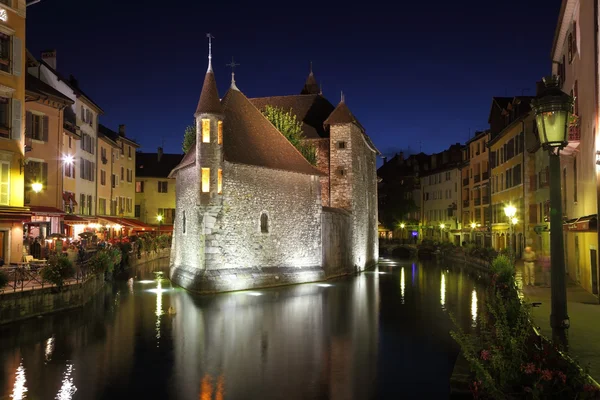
{"x":287,"y":123}
{"x":189,"y":138}
{"x":395,"y":204}
{"x":59,"y":269}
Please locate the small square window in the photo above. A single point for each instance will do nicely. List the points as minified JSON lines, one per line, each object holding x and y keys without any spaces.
{"x":341,"y":145}
{"x":342,"y":172}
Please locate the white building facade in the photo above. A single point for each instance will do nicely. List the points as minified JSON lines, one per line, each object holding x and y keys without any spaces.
{"x":440,"y":206}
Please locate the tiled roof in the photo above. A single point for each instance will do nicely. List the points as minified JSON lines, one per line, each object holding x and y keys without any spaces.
{"x":249,"y":138}
{"x":148,"y":166}
{"x":209,"y":97}
{"x":342,"y":115}
{"x":311,"y":109}
{"x":310,"y":86}
{"x":41,"y":88}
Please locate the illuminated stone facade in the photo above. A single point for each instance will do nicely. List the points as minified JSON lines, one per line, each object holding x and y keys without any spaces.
{"x":250,"y":207}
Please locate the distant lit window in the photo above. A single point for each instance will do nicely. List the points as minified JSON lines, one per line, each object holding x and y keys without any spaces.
{"x":139,"y":187}
{"x":206,"y":131}
{"x":264,"y":223}
{"x":205,"y":180}
{"x":220,"y":182}
{"x":220,"y":132}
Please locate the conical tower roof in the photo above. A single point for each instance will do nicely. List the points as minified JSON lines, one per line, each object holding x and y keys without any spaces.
{"x":311,"y":86}
{"x":209,"y":97}
{"x":342,"y":115}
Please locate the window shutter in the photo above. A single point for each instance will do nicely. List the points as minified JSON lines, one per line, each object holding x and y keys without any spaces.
{"x":45,"y":128}
{"x":45,"y":174}
{"x":28,"y":123}
{"x":17,"y":55}
{"x":533,"y":213}
{"x":82,"y":169}
{"x":82,"y":115}
{"x":16,"y":119}
{"x":574,"y":36}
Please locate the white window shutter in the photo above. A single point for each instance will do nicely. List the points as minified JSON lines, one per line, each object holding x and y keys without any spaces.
{"x":17,"y":55}
{"x":16,"y":119}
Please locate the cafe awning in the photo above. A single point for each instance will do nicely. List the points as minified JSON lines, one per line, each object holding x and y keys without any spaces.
{"x":71,"y":219}
{"x":15,"y":214}
{"x":44,"y":210}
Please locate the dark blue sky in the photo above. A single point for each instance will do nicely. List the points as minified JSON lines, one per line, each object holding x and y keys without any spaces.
{"x":423,"y":72}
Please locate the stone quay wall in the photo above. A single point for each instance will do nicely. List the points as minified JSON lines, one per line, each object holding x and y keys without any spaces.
{"x":337,"y":242}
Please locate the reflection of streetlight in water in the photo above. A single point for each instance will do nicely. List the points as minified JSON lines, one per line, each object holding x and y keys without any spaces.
{"x":443,"y":291}
{"x":159,"y":311}
{"x":206,"y":388}
{"x":20,"y":390}
{"x":474,"y":307}
{"x":402,"y":284}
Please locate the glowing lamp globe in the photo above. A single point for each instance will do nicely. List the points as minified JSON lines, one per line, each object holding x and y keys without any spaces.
{"x":552,"y":110}
{"x":473,"y":225}
{"x":510,"y":211}
{"x":37,"y":187}
{"x":402,"y":226}
{"x":442,"y":226}
{"x":159,"y":218}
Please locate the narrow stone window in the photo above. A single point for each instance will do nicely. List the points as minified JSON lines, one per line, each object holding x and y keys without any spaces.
{"x":220,"y":181}
{"x":341,"y":145}
{"x":264,"y":223}
{"x":206,"y":131}
{"x":220,"y":132}
{"x":342,"y":172}
{"x":205,"y":180}
{"x":183,"y":222}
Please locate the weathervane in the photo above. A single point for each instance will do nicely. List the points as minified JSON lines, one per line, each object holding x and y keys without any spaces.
{"x":232,"y":64}
{"x":210,"y":37}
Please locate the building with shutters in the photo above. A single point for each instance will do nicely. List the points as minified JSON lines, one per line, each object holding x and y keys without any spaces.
{"x":253,"y":212}
{"x":44,"y":109}
{"x":511,"y":121}
{"x":12,"y":145}
{"x":154,"y":189}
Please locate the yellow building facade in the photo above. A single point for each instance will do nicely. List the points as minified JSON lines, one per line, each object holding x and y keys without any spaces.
{"x":475,"y":190}
{"x":508,"y":177}
{"x":105,"y":171}
{"x":154,"y":191}
{"x":12,"y":137}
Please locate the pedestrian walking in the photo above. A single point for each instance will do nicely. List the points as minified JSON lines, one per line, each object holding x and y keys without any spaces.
{"x":529,"y":266}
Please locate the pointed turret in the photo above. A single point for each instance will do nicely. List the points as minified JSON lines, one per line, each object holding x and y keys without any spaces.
{"x":342,"y":115}
{"x":311,"y":86}
{"x":209,"y":102}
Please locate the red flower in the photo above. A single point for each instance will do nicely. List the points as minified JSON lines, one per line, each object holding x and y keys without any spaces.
{"x":562,"y":377}
{"x":547,"y":375}
{"x":528,"y":368}
{"x":485,"y":355}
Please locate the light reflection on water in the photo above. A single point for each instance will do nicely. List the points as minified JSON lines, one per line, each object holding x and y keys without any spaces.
{"x":344,"y":339}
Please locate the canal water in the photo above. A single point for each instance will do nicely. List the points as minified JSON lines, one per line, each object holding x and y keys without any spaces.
{"x":382,"y":334}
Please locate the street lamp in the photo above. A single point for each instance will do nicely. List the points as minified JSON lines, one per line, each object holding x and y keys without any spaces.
{"x":510,"y":211}
{"x":552,"y":110}
{"x":473,"y":226}
{"x":159,"y":218}
{"x":37,"y":187}
{"x":402,"y":232}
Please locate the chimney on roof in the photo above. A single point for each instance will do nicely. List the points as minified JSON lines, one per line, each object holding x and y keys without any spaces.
{"x":122,"y":130}
{"x":73,"y":81}
{"x":49,"y":57}
{"x":384,"y":159}
{"x":160,"y":153}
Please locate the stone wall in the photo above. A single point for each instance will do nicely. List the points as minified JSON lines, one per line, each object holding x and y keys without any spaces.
{"x":341,"y":167}
{"x":30,"y":303}
{"x":336,"y":228}
{"x":322,"y":146}
{"x":237,"y":255}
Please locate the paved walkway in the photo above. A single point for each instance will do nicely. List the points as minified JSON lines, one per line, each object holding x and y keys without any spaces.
{"x":584,"y":311}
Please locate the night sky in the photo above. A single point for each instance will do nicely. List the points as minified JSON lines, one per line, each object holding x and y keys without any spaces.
{"x":421,"y":74}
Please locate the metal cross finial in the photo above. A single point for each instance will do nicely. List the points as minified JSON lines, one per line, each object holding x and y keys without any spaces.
{"x":233,"y":64}
{"x":210,"y":37}
{"x":342,"y":100}
{"x":311,"y":72}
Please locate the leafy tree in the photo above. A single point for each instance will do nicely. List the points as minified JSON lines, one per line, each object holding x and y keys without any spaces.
{"x":287,"y":123}
{"x":395,"y":205}
{"x":189,"y":138}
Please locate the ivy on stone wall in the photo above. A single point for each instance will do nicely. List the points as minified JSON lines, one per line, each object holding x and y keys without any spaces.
{"x":189,"y":138}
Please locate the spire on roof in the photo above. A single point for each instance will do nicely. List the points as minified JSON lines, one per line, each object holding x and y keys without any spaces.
{"x":209,"y":102}
{"x":342,"y":97}
{"x":310,"y":86}
{"x":233,"y":64}
{"x":210,"y":37}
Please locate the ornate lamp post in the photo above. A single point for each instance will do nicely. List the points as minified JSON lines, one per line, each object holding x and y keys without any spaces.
{"x":552,"y":109}
{"x":473,"y":226}
{"x":159,"y":218}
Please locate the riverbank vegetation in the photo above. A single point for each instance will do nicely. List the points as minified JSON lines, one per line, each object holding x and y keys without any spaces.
{"x":508,"y":359}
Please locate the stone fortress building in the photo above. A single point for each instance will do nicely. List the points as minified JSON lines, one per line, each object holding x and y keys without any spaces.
{"x":251,"y":211}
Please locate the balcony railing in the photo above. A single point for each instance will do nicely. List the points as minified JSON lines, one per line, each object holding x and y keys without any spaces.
{"x":478,"y":201}
{"x":466,"y":182}
{"x":465,"y":203}
{"x":485,"y":176}
{"x":486,"y":200}
{"x":477,"y":178}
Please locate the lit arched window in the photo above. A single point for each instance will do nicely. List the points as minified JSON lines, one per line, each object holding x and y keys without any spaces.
{"x":264,"y":223}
